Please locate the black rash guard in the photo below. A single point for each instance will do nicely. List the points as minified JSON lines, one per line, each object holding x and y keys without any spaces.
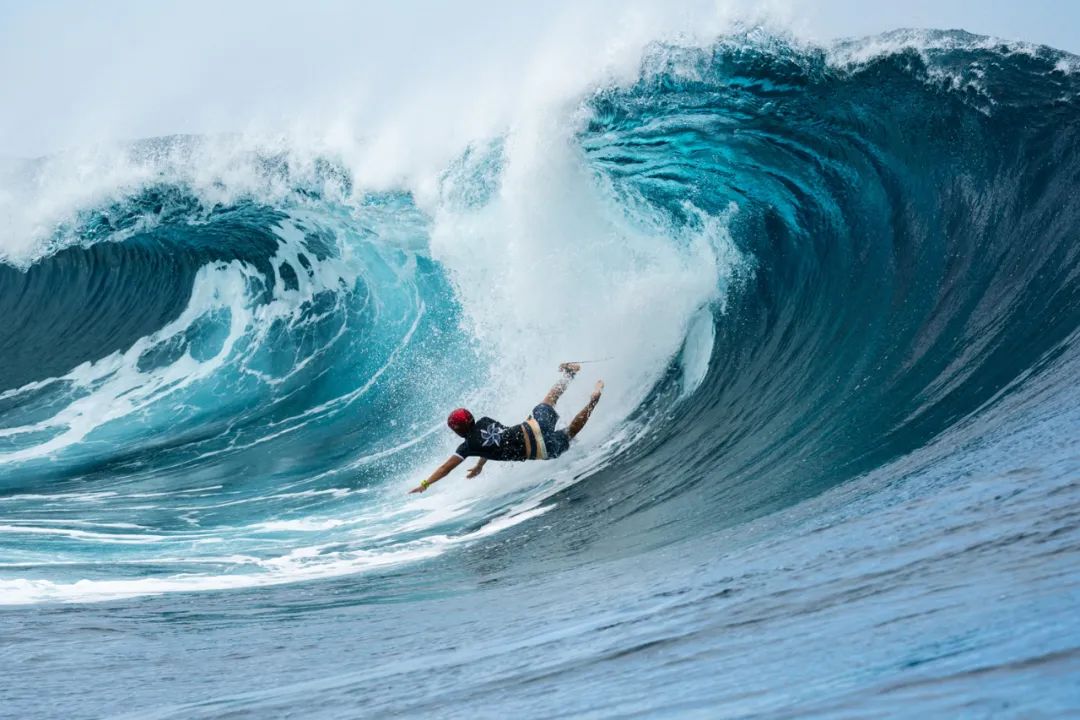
{"x":492,"y":440}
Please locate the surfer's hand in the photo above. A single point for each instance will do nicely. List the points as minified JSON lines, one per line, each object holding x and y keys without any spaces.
{"x":570,"y":368}
{"x":475,"y":470}
{"x":418,"y":489}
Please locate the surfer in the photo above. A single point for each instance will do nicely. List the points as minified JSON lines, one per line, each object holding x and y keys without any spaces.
{"x":534,"y":439}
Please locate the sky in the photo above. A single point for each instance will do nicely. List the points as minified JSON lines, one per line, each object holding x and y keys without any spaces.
{"x":73,"y":72}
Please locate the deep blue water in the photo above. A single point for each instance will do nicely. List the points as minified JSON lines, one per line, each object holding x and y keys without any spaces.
{"x":835,"y":472}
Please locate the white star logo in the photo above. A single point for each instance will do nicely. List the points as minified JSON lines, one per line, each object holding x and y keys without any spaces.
{"x":491,"y":436}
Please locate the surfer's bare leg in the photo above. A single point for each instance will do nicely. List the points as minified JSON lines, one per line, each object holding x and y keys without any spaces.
{"x":569,"y":370}
{"x":578,"y":423}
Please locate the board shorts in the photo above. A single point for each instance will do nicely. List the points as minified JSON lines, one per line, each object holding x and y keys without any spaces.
{"x":555,"y":442}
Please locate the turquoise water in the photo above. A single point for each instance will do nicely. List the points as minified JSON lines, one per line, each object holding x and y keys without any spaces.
{"x":835,"y":471}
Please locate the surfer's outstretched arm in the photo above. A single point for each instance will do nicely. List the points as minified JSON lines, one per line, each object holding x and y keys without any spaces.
{"x":442,"y":471}
{"x":568,"y":370}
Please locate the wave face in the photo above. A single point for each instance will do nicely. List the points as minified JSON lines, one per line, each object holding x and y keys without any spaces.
{"x":840,"y":293}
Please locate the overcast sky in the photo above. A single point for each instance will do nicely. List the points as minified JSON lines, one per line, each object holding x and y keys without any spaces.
{"x":74,"y":71}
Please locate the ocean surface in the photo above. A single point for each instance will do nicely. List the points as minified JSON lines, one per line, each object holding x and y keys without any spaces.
{"x":836,"y":471}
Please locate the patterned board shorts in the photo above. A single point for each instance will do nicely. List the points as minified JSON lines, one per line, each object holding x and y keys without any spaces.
{"x":555,"y":441}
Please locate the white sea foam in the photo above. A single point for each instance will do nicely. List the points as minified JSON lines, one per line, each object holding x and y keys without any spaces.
{"x":303,"y":563}
{"x":405,"y":140}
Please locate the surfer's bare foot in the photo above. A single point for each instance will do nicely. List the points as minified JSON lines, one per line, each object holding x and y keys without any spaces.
{"x":597,"y":390}
{"x":570,"y":368}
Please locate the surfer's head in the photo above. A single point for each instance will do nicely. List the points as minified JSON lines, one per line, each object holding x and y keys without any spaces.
{"x":460,"y":421}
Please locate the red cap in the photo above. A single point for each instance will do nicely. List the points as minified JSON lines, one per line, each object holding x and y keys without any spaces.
{"x":460,"y":421}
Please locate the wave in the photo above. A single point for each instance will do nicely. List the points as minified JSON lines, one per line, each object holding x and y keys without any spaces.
{"x":225,"y":361}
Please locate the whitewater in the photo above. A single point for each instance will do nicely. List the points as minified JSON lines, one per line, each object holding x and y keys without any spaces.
{"x":834,"y":473}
